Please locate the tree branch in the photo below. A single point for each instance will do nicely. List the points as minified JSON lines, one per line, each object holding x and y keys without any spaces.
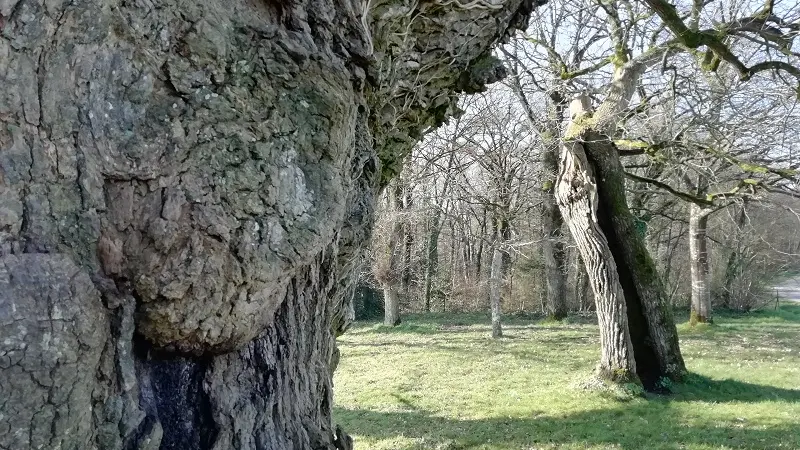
{"x":683,"y":195}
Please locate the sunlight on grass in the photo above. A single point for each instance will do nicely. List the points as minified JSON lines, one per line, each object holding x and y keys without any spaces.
{"x":441,"y":382}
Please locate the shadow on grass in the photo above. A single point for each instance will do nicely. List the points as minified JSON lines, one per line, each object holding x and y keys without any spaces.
{"x":782,"y":324}
{"x":656,"y":423}
{"x":701,"y":388}
{"x":651,"y":424}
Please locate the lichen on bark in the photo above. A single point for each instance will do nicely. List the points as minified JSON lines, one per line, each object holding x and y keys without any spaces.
{"x":206,"y":172}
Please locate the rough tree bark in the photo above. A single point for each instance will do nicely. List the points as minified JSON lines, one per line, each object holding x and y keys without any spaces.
{"x":576,"y":194}
{"x":592,"y":181}
{"x":185,"y":190}
{"x":700,"y":265}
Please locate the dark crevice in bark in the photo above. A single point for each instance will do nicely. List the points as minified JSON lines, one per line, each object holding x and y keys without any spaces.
{"x":648,"y":366}
{"x":144,"y":430}
{"x":172,"y":393}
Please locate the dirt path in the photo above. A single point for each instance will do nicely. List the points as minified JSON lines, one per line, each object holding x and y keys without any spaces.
{"x":789,"y":290}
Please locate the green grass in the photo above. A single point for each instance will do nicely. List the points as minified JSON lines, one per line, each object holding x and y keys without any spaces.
{"x":441,"y":382}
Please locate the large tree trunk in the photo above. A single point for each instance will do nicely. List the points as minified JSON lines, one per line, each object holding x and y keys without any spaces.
{"x":650,"y":316}
{"x":590,"y":161}
{"x":185,"y":189}
{"x":576,"y":193}
{"x":700,"y":267}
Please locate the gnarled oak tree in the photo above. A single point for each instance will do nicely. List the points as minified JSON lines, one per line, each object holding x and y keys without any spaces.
{"x":185,"y":189}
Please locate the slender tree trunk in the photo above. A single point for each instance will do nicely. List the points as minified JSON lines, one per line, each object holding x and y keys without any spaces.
{"x":432,"y":259}
{"x":467,"y":257}
{"x":582,"y":287}
{"x":479,"y":256}
{"x":432,"y":247}
{"x":554,"y":253}
{"x":735,"y":261}
{"x":408,"y":245}
{"x":553,"y":249}
{"x":700,"y":265}
{"x":387,"y":268}
{"x":452,"y":259}
{"x":495,"y":290}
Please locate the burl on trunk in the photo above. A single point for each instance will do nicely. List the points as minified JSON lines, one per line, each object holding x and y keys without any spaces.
{"x":185,"y":189}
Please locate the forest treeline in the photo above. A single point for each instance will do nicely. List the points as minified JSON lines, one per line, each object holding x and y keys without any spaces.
{"x":709,"y":160}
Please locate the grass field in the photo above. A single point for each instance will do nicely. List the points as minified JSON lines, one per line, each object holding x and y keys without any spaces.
{"x":441,"y":382}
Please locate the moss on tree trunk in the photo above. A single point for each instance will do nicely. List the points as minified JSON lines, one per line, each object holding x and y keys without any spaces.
{"x":622,"y":262}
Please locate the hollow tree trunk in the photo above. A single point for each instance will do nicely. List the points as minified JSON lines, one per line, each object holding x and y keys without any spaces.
{"x":700,"y":267}
{"x":185,"y":190}
{"x":652,"y":324}
{"x":496,"y":278}
{"x":592,"y":181}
